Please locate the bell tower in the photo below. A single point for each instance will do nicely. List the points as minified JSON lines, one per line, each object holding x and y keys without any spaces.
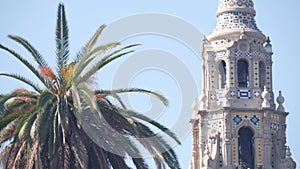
{"x":237,"y":124}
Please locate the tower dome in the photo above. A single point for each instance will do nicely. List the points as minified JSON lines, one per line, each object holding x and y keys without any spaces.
{"x":233,"y":17}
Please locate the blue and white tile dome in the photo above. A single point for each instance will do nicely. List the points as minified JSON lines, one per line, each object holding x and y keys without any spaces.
{"x":234,"y":17}
{"x":236,"y":14}
{"x":236,"y":20}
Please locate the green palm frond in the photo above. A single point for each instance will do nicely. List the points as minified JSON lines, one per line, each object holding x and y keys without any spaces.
{"x":89,"y":45}
{"x":8,"y":119}
{"x":36,"y":55}
{"x":143,"y":132}
{"x":12,"y":108}
{"x":90,"y":56}
{"x":3,"y":101}
{"x":27,"y":64}
{"x":163,"y":99}
{"x":92,"y":41}
{"x":117,"y":161}
{"x":139,"y":116}
{"x":62,"y":110}
{"x":23,"y":79}
{"x":170,"y":157}
{"x":76,"y":106}
{"x":104,"y":61}
{"x":62,"y":38}
{"x":6,"y":131}
{"x":157,"y":146}
{"x":140,"y":163}
{"x":113,"y":56}
{"x":45,"y":118}
{"x":54,"y":134}
{"x":26,"y":128}
{"x":45,"y":98}
{"x":89,"y":97}
{"x":116,"y":54}
{"x":116,"y":96}
{"x":24,"y":118}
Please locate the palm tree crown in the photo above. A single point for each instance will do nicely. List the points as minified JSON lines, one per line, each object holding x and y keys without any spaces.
{"x":51,"y":127}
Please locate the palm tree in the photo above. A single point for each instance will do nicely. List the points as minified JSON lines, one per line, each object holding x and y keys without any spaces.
{"x":45,"y":128}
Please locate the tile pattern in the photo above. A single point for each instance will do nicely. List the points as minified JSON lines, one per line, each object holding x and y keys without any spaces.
{"x":234,"y":151}
{"x":259,"y":151}
{"x":232,"y":72}
{"x":249,"y":54}
{"x":220,"y":54}
{"x":268,"y":77}
{"x":212,"y":77}
{"x":236,"y":20}
{"x":254,"y":118}
{"x":256,"y":73}
{"x":236,"y":3}
{"x":221,"y":42}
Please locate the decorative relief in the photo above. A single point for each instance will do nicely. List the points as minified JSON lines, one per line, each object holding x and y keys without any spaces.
{"x":215,"y":126}
{"x":244,"y":94}
{"x":256,"y":73}
{"x":254,"y":118}
{"x":232,"y":79}
{"x":237,"y":119}
{"x":243,"y":47}
{"x":221,"y":42}
{"x":236,"y":53}
{"x":220,"y":54}
{"x":268,"y":77}
{"x":274,"y":127}
{"x":256,"y":93}
{"x":213,"y":97}
{"x":275,"y":117}
{"x":212,"y":77}
{"x":232,"y":93}
{"x":234,"y":151}
{"x":249,"y":54}
{"x":259,"y":151}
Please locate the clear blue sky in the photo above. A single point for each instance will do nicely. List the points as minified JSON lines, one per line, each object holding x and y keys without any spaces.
{"x":35,"y":21}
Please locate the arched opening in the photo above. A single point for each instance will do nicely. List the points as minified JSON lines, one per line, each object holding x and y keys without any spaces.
{"x":222,"y":74}
{"x":246,"y":147}
{"x":262,"y":75}
{"x":243,"y":73}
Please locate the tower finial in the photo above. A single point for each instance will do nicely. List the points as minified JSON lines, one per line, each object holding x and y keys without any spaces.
{"x":266,"y":96}
{"x":268,"y":40}
{"x":268,"y":46}
{"x":195,"y":105}
{"x":280,"y":101}
{"x":203,"y":99}
{"x":243,"y":34}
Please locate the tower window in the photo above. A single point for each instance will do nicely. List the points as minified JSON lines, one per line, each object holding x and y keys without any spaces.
{"x":262,"y":75}
{"x":246,"y":148}
{"x":222,"y":74}
{"x":243,"y":73}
